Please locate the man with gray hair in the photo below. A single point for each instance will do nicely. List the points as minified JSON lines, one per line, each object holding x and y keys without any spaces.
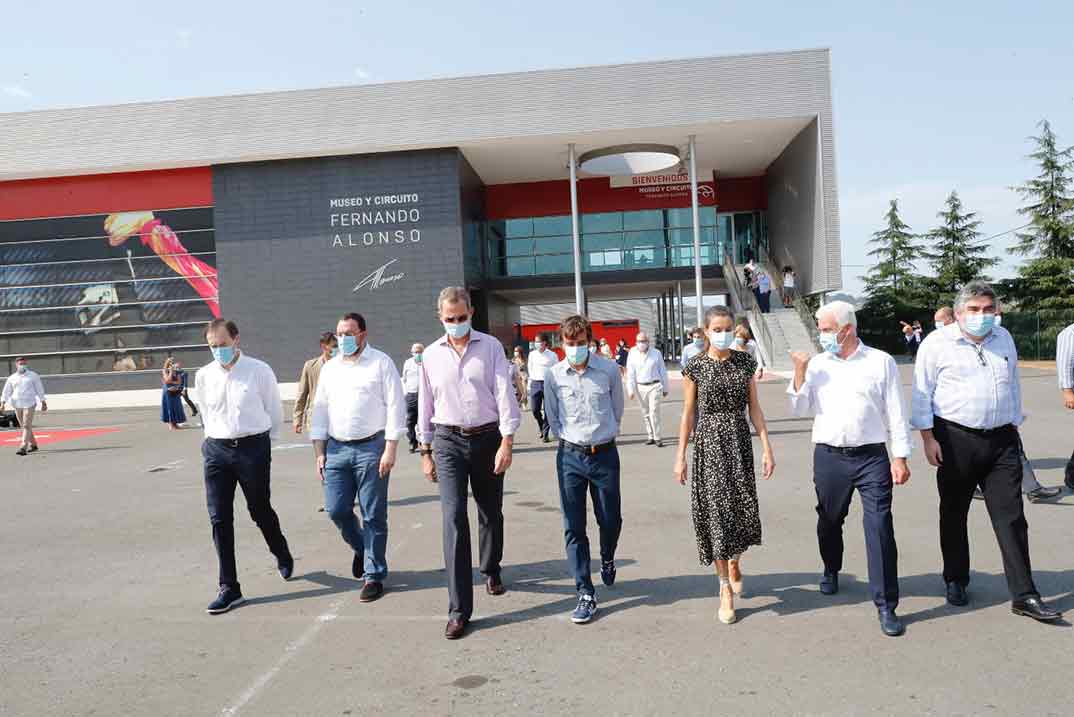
{"x":967,"y":403}
{"x":411,"y":380}
{"x":853,"y":392}
{"x":467,"y":418}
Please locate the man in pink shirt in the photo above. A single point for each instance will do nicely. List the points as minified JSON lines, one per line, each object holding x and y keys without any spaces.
{"x":467,"y":418}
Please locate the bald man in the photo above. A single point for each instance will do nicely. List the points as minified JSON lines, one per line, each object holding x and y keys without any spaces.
{"x":647,"y":378}
{"x":411,"y":381}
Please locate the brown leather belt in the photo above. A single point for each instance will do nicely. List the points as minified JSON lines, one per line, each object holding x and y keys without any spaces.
{"x":472,"y":431}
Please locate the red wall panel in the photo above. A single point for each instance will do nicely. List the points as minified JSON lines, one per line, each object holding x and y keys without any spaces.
{"x":105,"y":193}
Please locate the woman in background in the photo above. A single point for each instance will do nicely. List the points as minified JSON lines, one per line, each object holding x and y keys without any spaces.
{"x":744,"y":342}
{"x":171,"y":402}
{"x":520,"y":378}
{"x":621,"y":354}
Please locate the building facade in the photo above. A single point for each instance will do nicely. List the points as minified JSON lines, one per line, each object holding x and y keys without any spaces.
{"x":123,"y":229}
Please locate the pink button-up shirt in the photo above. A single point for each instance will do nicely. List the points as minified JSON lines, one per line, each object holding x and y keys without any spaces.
{"x":469,"y":390}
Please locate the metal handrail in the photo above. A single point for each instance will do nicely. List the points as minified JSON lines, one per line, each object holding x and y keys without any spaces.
{"x":775,"y":275}
{"x":745,"y":303}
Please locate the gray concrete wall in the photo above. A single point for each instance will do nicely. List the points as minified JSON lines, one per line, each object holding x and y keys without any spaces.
{"x":287,"y":274}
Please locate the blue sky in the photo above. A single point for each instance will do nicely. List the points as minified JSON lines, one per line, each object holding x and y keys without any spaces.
{"x":929,"y":96}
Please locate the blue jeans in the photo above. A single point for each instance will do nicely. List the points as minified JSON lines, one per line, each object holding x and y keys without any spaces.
{"x":352,"y":469}
{"x":599,"y":475}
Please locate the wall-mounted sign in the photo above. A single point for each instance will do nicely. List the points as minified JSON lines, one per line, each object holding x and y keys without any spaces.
{"x":375,"y":219}
{"x":649,"y":180}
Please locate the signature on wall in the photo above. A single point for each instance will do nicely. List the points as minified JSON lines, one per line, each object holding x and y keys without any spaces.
{"x":379,"y":278}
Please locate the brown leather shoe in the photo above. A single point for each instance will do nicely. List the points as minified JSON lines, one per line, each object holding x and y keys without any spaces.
{"x":494,"y":586}
{"x":455,"y":629}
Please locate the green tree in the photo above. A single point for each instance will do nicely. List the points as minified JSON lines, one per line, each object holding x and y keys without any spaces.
{"x":1050,"y":210}
{"x":892,"y":281}
{"x":957,"y":254}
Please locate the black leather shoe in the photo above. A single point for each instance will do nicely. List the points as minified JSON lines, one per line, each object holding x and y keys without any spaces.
{"x":358,"y":565}
{"x":890,"y":624}
{"x":1069,"y":482}
{"x":650,"y":442}
{"x":455,"y":629}
{"x":21,"y":452}
{"x":1042,"y":493}
{"x":1035,"y":608}
{"x":956,"y":595}
{"x":494,"y":586}
{"x":286,"y":567}
{"x":607,"y":572}
{"x":228,"y":598}
{"x":371,"y":591}
{"x":660,"y":444}
{"x":829,"y":584}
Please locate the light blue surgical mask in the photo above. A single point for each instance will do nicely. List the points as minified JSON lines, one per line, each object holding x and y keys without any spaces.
{"x":457,"y":331}
{"x":739,"y":341}
{"x":417,"y":358}
{"x":721,"y":340}
{"x":576,"y":355}
{"x":335,"y":352}
{"x":829,"y":341}
{"x":347,"y":344}
{"x":223,"y":354}
{"x":699,"y":343}
{"x":22,"y":368}
{"x":979,"y":324}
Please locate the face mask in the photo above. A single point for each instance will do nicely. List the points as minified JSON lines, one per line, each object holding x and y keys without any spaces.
{"x":979,"y":324}
{"x":223,"y":354}
{"x":542,"y":346}
{"x":721,"y":340}
{"x":22,"y":369}
{"x":740,"y":341}
{"x":576,"y":355}
{"x":643,"y":346}
{"x":417,"y":358}
{"x":939,"y":325}
{"x":699,"y":343}
{"x":347,"y":344}
{"x":457,"y":331}
{"x":333,"y":352}
{"x":829,"y":341}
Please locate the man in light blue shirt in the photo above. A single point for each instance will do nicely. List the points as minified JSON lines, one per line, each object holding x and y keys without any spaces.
{"x":695,"y":347}
{"x":584,"y":406}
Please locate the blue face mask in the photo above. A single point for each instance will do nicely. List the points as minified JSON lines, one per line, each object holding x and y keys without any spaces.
{"x":335,"y":352}
{"x":223,"y":354}
{"x":457,"y":331}
{"x":829,"y":341}
{"x":417,"y":358}
{"x":980,"y":324}
{"x":22,"y":368}
{"x":347,"y":344}
{"x":699,"y":343}
{"x":576,"y":355}
{"x":721,"y":340}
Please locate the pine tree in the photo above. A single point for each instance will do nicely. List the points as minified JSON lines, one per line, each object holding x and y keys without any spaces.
{"x":1050,"y":210}
{"x":892,"y":280}
{"x":956,"y":252}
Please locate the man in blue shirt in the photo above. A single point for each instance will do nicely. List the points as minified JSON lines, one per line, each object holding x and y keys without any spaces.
{"x":584,"y":406}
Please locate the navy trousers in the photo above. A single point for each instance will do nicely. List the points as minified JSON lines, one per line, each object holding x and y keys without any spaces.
{"x":597,"y":474}
{"x":836,"y":476}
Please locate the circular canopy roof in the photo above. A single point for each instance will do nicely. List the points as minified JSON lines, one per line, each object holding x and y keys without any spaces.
{"x":624,"y":159}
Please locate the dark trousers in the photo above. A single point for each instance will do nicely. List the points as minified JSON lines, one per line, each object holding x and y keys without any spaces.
{"x":467,"y":462}
{"x":597,"y":474}
{"x":991,"y":460}
{"x":1069,"y":477}
{"x":189,"y":403}
{"x":836,"y":476}
{"x":246,"y":463}
{"x":537,"y":406}
{"x":764,"y":300}
{"x":412,"y":418}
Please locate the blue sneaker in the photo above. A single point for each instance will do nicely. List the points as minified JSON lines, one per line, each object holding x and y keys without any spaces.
{"x":587,"y":608}
{"x":228,"y":598}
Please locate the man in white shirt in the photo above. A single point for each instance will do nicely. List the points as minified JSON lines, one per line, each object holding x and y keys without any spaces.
{"x":358,"y":418}
{"x":24,"y":390}
{"x":411,"y":382}
{"x":967,"y":403}
{"x":853,"y":391}
{"x":1064,"y":365}
{"x":539,"y":362}
{"x":647,"y":378}
{"x":241,"y":411}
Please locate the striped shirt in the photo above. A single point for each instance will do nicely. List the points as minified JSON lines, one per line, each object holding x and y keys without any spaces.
{"x":1064,"y":357}
{"x":973,"y":385}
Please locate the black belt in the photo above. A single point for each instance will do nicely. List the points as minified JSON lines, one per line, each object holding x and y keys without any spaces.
{"x":467,"y":432}
{"x":236,"y":442}
{"x":977,"y":431}
{"x":356,"y":441}
{"x":867,"y":449}
{"x":647,"y":383}
{"x":586,"y":450}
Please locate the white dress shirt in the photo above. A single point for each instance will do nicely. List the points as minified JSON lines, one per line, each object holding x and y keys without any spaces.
{"x":645,"y":368}
{"x":242,"y":401}
{"x":1064,"y":357}
{"x":973,"y":385}
{"x":411,"y":375}
{"x":539,"y":362}
{"x":356,"y":399}
{"x":23,"y":390}
{"x":855,"y":401}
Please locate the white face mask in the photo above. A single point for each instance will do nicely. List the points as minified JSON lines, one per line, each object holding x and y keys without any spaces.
{"x":643,"y":346}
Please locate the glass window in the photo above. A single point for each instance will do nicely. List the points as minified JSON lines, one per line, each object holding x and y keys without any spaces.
{"x":518,"y":228}
{"x":551,"y":226}
{"x":520,"y":266}
{"x":520,"y":247}
{"x":555,"y":264}
{"x":604,"y":222}
{"x":648,"y":219}
{"x":602,"y":241}
{"x":554,"y":245}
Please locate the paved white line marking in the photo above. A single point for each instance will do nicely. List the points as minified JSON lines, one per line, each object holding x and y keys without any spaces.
{"x":293,"y":648}
{"x":170,"y":466}
{"x":291,"y":446}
